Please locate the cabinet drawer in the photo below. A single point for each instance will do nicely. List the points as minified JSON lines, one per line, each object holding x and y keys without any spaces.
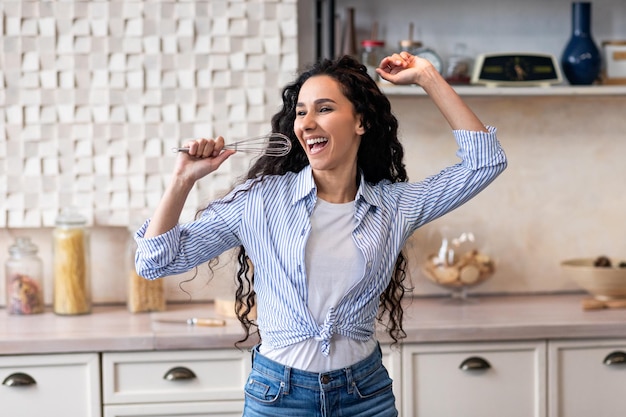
{"x":65,"y":385}
{"x":199,"y":409}
{"x":587,"y":378}
{"x":174,"y":376}
{"x":474,"y":380}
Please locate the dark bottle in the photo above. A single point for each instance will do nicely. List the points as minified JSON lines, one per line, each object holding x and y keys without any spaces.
{"x":581,"y":60}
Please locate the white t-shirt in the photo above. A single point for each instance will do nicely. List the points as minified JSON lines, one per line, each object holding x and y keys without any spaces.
{"x":333,"y":264}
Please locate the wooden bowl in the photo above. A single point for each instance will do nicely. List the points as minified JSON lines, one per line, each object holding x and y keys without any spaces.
{"x":604,"y":283}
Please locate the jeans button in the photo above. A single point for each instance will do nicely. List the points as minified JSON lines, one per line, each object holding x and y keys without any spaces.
{"x":325,"y":379}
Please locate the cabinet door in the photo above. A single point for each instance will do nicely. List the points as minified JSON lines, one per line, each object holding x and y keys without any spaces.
{"x":587,"y":378}
{"x":174,"y":376}
{"x":474,"y":380}
{"x":199,"y":409}
{"x":392,"y":359}
{"x":44,"y":385}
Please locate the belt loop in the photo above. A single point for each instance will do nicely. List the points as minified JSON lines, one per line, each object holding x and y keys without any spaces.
{"x":287,"y":380}
{"x":349,"y":380}
{"x":253,"y":354}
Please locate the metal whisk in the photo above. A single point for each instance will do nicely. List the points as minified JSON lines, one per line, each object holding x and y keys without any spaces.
{"x":272,"y":144}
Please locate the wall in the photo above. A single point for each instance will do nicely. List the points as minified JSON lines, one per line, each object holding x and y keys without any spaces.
{"x":94,"y":94}
{"x":562,"y":196}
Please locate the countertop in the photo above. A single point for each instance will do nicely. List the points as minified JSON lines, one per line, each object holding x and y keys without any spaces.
{"x":488,"y":318}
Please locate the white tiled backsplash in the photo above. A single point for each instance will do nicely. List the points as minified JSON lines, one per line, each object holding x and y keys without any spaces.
{"x":90,"y":110}
{"x":94,"y":94}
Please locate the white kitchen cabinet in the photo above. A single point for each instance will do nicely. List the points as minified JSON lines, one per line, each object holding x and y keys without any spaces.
{"x":137,"y":383}
{"x":182,"y":383}
{"x":392,"y":359}
{"x":587,"y":378}
{"x":474,"y":380}
{"x":65,"y":385}
{"x":191,"y":409}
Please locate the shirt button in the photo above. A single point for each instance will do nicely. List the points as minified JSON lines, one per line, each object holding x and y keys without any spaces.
{"x":325,"y":379}
{"x":359,"y":236}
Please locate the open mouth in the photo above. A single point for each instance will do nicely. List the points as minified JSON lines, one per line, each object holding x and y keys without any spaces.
{"x":316,"y":144}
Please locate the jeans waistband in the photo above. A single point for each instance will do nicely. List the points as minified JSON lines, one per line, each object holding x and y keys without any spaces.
{"x":314,"y":380}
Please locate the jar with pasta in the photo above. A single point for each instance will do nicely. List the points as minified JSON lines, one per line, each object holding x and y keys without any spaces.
{"x":143,"y":295}
{"x":24,"y":278}
{"x":72,"y":279}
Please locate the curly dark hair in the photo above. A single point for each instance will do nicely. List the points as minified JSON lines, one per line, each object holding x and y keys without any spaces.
{"x":380,"y":157}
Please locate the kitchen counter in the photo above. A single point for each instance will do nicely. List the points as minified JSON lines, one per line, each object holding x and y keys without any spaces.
{"x":489,"y":318}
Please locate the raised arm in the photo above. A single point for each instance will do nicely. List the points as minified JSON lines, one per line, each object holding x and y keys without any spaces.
{"x":403,"y":69}
{"x":204,"y":157}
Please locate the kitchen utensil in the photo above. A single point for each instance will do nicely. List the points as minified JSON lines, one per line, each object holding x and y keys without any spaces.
{"x":272,"y":144}
{"x":194,"y":321}
{"x":595,"y":304}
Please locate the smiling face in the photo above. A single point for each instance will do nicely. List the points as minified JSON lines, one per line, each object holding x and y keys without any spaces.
{"x":327,"y":126}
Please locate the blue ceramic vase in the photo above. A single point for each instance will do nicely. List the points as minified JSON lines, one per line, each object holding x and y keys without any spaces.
{"x":581,"y":58}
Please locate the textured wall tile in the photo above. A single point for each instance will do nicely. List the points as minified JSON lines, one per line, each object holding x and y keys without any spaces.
{"x":48,"y":79}
{"x":30,"y":62}
{"x":14,"y":115}
{"x":118,"y":114}
{"x":15,"y":218}
{"x":151,"y":44}
{"x":94,"y":82}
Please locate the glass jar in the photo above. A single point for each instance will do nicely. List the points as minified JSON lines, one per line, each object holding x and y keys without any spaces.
{"x":458,"y":262}
{"x":72,"y":267}
{"x":24,"y":278}
{"x":143,"y":295}
{"x":372,"y":52}
{"x":459,"y":66}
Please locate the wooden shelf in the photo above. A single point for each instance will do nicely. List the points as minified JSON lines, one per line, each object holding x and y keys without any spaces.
{"x":470,"y":90}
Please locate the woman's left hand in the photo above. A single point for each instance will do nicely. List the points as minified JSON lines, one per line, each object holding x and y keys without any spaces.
{"x":403,"y":68}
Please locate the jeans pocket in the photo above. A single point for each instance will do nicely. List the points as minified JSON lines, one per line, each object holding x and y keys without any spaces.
{"x":373,"y":384}
{"x":262,"y":388}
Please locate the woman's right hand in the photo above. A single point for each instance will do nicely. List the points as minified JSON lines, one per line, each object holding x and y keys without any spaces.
{"x":203,"y":157}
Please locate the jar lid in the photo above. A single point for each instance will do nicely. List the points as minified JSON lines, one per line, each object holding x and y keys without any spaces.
{"x":372,"y":42}
{"x":23,"y":245}
{"x":69,"y":216}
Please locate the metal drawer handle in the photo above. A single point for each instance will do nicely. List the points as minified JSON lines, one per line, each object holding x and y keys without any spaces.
{"x":474,"y":363}
{"x":615,"y":358}
{"x":179,"y":373}
{"x":19,"y":379}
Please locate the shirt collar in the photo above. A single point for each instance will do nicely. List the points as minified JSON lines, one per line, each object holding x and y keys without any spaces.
{"x":305,"y":185}
{"x":369,"y":193}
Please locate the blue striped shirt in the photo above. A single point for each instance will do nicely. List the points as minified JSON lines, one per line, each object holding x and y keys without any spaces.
{"x":271,"y":220}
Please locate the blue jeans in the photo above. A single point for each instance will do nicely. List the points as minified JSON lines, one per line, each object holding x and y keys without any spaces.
{"x":275,"y":390}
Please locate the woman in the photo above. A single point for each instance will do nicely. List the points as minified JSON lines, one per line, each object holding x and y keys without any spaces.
{"x":323,"y":228}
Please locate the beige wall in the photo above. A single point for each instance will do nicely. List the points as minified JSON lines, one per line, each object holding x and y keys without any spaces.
{"x":563,"y":194}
